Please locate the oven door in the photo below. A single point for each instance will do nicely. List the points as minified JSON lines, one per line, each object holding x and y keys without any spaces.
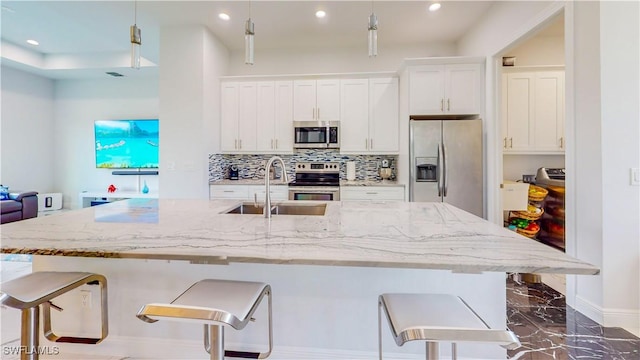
{"x":315,"y":193}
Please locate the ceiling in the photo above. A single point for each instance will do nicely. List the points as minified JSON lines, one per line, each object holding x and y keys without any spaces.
{"x":97,"y":32}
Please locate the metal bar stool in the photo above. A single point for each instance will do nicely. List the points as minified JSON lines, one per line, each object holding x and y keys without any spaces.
{"x":435,"y":318}
{"x":215,"y":303}
{"x":29,"y":292}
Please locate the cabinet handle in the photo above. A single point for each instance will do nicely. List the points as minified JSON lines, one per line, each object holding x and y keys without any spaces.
{"x":318,"y":113}
{"x":276,"y":143}
{"x":371,"y":193}
{"x":448,"y":104}
{"x":240,"y":142}
{"x":562,"y":143}
{"x":235,"y":144}
{"x":371,"y":146}
{"x":510,"y":142}
{"x":504,"y":142}
{"x":272,"y":144}
{"x":228,"y":191}
{"x":366,"y":144}
{"x":313,"y":110}
{"x":441,"y":104}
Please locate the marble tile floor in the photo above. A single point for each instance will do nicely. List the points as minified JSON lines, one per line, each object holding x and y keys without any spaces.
{"x":547,"y":328}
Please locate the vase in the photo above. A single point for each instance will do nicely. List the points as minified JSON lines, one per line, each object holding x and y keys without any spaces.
{"x":145,"y":188}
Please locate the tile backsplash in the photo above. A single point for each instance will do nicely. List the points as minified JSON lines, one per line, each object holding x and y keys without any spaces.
{"x":252,"y":167}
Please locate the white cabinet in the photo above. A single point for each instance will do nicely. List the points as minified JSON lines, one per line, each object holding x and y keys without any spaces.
{"x":316,"y":100}
{"x":256,"y":117}
{"x":445,"y":89}
{"x":533,"y":112}
{"x":239,"y":112}
{"x":378,"y":193}
{"x":369,"y":113}
{"x":247,"y":192}
{"x":274,"y":124}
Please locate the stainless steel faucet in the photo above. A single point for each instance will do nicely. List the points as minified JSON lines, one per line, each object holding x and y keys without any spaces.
{"x":267,"y":201}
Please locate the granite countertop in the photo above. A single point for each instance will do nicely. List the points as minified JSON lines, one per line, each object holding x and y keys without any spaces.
{"x":246,"y":182}
{"x":370,"y":183}
{"x":369,"y":234}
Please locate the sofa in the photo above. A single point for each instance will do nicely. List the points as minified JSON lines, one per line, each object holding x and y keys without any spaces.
{"x":20,"y":205}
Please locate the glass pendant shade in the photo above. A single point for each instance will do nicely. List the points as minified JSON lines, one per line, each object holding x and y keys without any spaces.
{"x":248,"y":42}
{"x":136,"y":41}
{"x":373,"y":35}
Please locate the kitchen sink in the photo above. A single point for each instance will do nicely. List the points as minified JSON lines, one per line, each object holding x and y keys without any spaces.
{"x":249,"y":208}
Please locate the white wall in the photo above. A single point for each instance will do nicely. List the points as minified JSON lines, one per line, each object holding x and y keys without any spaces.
{"x":191,"y":61}
{"x":340,"y":60}
{"x":620,"y":80}
{"x":27,"y":148}
{"x":540,"y":50}
{"x":78,"y":103}
{"x":517,"y":165}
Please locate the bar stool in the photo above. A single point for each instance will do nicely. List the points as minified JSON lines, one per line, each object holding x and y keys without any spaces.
{"x":435,"y":318}
{"x":215,"y":303}
{"x":29,"y":292}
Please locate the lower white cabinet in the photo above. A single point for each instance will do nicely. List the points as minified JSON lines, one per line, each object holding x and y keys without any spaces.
{"x":391,"y":193}
{"x":247,"y":192}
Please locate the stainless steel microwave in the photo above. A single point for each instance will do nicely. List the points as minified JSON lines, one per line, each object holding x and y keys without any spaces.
{"x":316,"y":134}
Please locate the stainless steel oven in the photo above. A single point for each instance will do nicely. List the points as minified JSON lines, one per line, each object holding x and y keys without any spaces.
{"x":316,"y":181}
{"x":316,"y":134}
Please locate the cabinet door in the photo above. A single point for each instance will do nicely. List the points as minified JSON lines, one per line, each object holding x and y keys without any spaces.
{"x":383,"y":116}
{"x":229,"y":117}
{"x":379,"y":193}
{"x":283,"y":132}
{"x":463,"y":89}
{"x":519,"y":111}
{"x":266,"y":123}
{"x":426,"y":90}
{"x":548,"y":126}
{"x":328,"y":100}
{"x":248,"y":99}
{"x":354,"y":112}
{"x":304,"y":100}
{"x":239,"y":192}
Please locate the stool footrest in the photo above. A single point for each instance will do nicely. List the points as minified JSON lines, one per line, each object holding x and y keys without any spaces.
{"x":242,"y":354}
{"x":77,"y":340}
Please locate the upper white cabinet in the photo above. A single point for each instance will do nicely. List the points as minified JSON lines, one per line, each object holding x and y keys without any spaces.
{"x":316,"y":100}
{"x":452,"y":89}
{"x":369,"y":116}
{"x":533,"y":112}
{"x":239,"y":114}
{"x":257,"y":117}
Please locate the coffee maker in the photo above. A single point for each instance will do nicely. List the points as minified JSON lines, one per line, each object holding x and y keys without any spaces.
{"x":384,"y":171}
{"x":233,"y":172}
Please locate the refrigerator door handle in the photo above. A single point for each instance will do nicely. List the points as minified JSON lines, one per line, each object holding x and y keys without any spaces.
{"x":439,"y":167}
{"x":445,"y":170}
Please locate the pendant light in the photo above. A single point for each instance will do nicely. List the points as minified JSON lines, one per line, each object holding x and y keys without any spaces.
{"x":248,"y":39}
{"x":373,"y":33}
{"x":136,"y":39}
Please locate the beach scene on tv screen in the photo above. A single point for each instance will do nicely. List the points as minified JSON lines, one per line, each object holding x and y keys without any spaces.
{"x":122,"y":144}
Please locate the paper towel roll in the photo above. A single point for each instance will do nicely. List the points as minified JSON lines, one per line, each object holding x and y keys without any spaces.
{"x":351,"y":170}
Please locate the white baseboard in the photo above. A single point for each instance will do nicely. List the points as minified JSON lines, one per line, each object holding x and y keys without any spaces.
{"x":156,"y":348}
{"x":627,"y":319}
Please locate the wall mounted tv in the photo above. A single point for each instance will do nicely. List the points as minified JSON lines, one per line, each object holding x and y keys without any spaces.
{"x":126,"y":144}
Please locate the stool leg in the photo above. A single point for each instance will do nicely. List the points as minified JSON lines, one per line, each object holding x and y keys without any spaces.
{"x":454,"y":351}
{"x":29,"y":340}
{"x":432,"y":350}
{"x":379,"y":331}
{"x":216,"y":342}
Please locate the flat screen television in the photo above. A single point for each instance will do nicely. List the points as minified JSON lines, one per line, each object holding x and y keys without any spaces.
{"x":126,"y":144}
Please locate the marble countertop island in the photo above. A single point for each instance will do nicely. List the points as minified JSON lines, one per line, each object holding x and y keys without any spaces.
{"x":369,"y":234}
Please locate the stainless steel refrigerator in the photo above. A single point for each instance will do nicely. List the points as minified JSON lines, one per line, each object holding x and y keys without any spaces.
{"x":446,"y":162}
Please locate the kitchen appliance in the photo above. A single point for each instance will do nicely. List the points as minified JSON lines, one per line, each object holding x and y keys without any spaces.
{"x":384,"y":171}
{"x":233,"y":172}
{"x":446,"y":162}
{"x":552,"y":221}
{"x":316,"y":181}
{"x":316,"y":134}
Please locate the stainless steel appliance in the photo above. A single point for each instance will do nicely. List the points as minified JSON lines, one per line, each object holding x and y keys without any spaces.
{"x":446,"y":162}
{"x":316,"y":134}
{"x":316,"y":181}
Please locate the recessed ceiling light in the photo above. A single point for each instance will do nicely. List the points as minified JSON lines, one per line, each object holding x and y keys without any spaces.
{"x":224,"y":16}
{"x":434,"y":7}
{"x":33,"y":42}
{"x":320,"y":14}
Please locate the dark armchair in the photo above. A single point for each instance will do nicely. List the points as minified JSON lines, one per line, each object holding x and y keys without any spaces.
{"x":20,"y":205}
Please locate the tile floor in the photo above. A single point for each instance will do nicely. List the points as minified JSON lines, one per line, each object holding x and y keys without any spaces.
{"x":547,"y":328}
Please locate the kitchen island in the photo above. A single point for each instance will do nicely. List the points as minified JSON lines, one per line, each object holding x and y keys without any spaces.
{"x":326,"y":271}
